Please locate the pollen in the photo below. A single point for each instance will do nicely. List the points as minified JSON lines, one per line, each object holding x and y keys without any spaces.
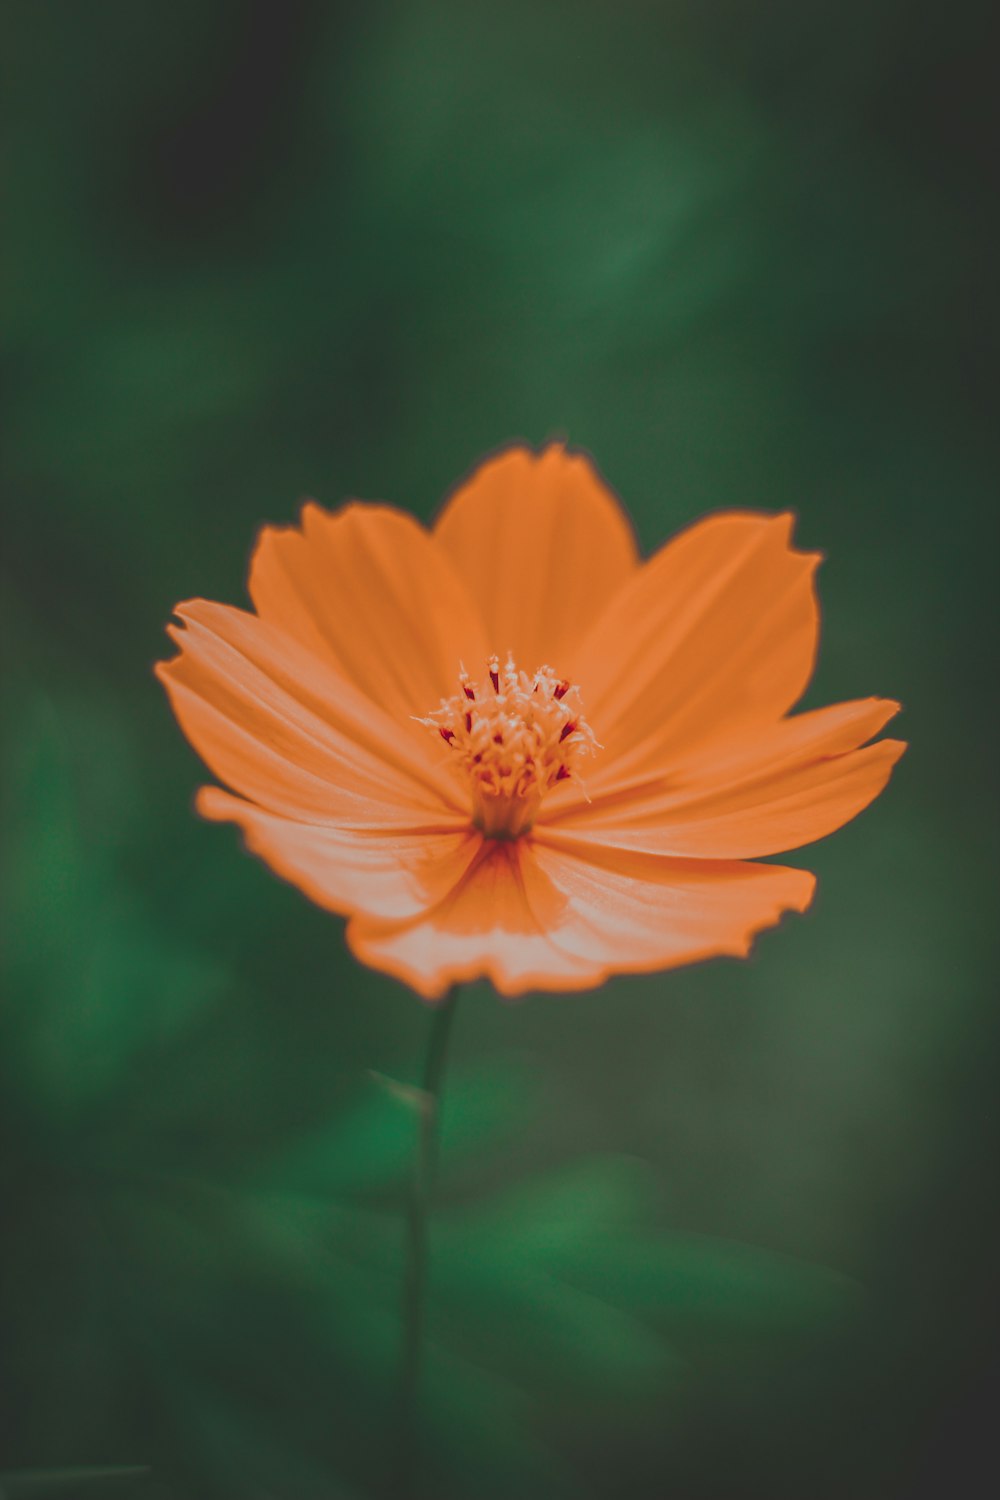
{"x":514,"y":735}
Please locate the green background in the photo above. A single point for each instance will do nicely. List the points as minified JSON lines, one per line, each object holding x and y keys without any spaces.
{"x":725,"y":1232}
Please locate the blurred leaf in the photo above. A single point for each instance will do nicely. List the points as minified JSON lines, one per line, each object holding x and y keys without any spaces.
{"x":695,"y":1281}
{"x":95,"y":982}
{"x":555,"y":1218}
{"x":114,"y":1479}
{"x":371,"y":1144}
{"x":572,"y":1269}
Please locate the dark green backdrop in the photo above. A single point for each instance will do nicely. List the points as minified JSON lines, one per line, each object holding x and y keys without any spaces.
{"x":722,"y":1233}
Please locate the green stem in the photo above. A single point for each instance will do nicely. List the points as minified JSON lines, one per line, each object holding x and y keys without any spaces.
{"x":415,"y":1276}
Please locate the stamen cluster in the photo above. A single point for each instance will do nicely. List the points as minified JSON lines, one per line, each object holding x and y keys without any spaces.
{"x":515,"y":736}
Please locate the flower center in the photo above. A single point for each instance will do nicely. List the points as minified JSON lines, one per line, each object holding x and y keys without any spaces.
{"x":515,"y":736}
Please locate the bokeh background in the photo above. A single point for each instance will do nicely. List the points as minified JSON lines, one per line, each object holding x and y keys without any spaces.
{"x":726,"y":1232}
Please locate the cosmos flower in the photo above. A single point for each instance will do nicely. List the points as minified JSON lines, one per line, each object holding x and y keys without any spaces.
{"x":508,"y":747}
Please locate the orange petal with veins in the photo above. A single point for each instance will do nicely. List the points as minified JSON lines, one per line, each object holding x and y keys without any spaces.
{"x":385,"y":873}
{"x":716,"y":633}
{"x":368,"y":590}
{"x":282,"y":727}
{"x":533,"y":916}
{"x":542,"y":542}
{"x":760,"y":792}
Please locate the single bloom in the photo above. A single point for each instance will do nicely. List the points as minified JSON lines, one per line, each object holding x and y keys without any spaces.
{"x":508,"y":747}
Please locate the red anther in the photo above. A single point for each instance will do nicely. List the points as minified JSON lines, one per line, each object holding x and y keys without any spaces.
{"x":561,"y":690}
{"x":495,"y":679}
{"x":567,"y":729}
{"x":469,"y":691}
{"x":563,"y":774}
{"x":447,"y":735}
{"x":468,"y":723}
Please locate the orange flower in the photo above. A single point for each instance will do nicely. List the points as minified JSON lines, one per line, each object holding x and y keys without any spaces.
{"x":508,"y":747}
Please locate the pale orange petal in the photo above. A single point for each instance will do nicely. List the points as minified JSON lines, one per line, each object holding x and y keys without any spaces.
{"x":385,"y":873}
{"x":370,"y":589}
{"x":282,"y":727}
{"x":764,"y":792}
{"x":541,"y":542}
{"x":536,"y":915}
{"x":717,"y":632}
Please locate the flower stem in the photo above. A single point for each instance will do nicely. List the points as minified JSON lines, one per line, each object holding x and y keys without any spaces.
{"x":415,"y":1276}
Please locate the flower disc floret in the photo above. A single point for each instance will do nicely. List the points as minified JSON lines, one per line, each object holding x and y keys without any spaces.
{"x":515,"y":735}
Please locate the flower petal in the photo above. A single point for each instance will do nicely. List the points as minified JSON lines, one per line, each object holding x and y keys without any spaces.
{"x":716,"y":632}
{"x":541,"y":542}
{"x":386,"y":873}
{"x":281,"y":726}
{"x":540,"y":915}
{"x":766,"y":791}
{"x":370,"y":590}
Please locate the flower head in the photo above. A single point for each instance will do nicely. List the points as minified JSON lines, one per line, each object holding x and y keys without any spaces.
{"x":507,"y":747}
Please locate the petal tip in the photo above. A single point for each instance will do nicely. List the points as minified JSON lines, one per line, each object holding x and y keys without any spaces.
{"x":789,"y":520}
{"x":212,"y":803}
